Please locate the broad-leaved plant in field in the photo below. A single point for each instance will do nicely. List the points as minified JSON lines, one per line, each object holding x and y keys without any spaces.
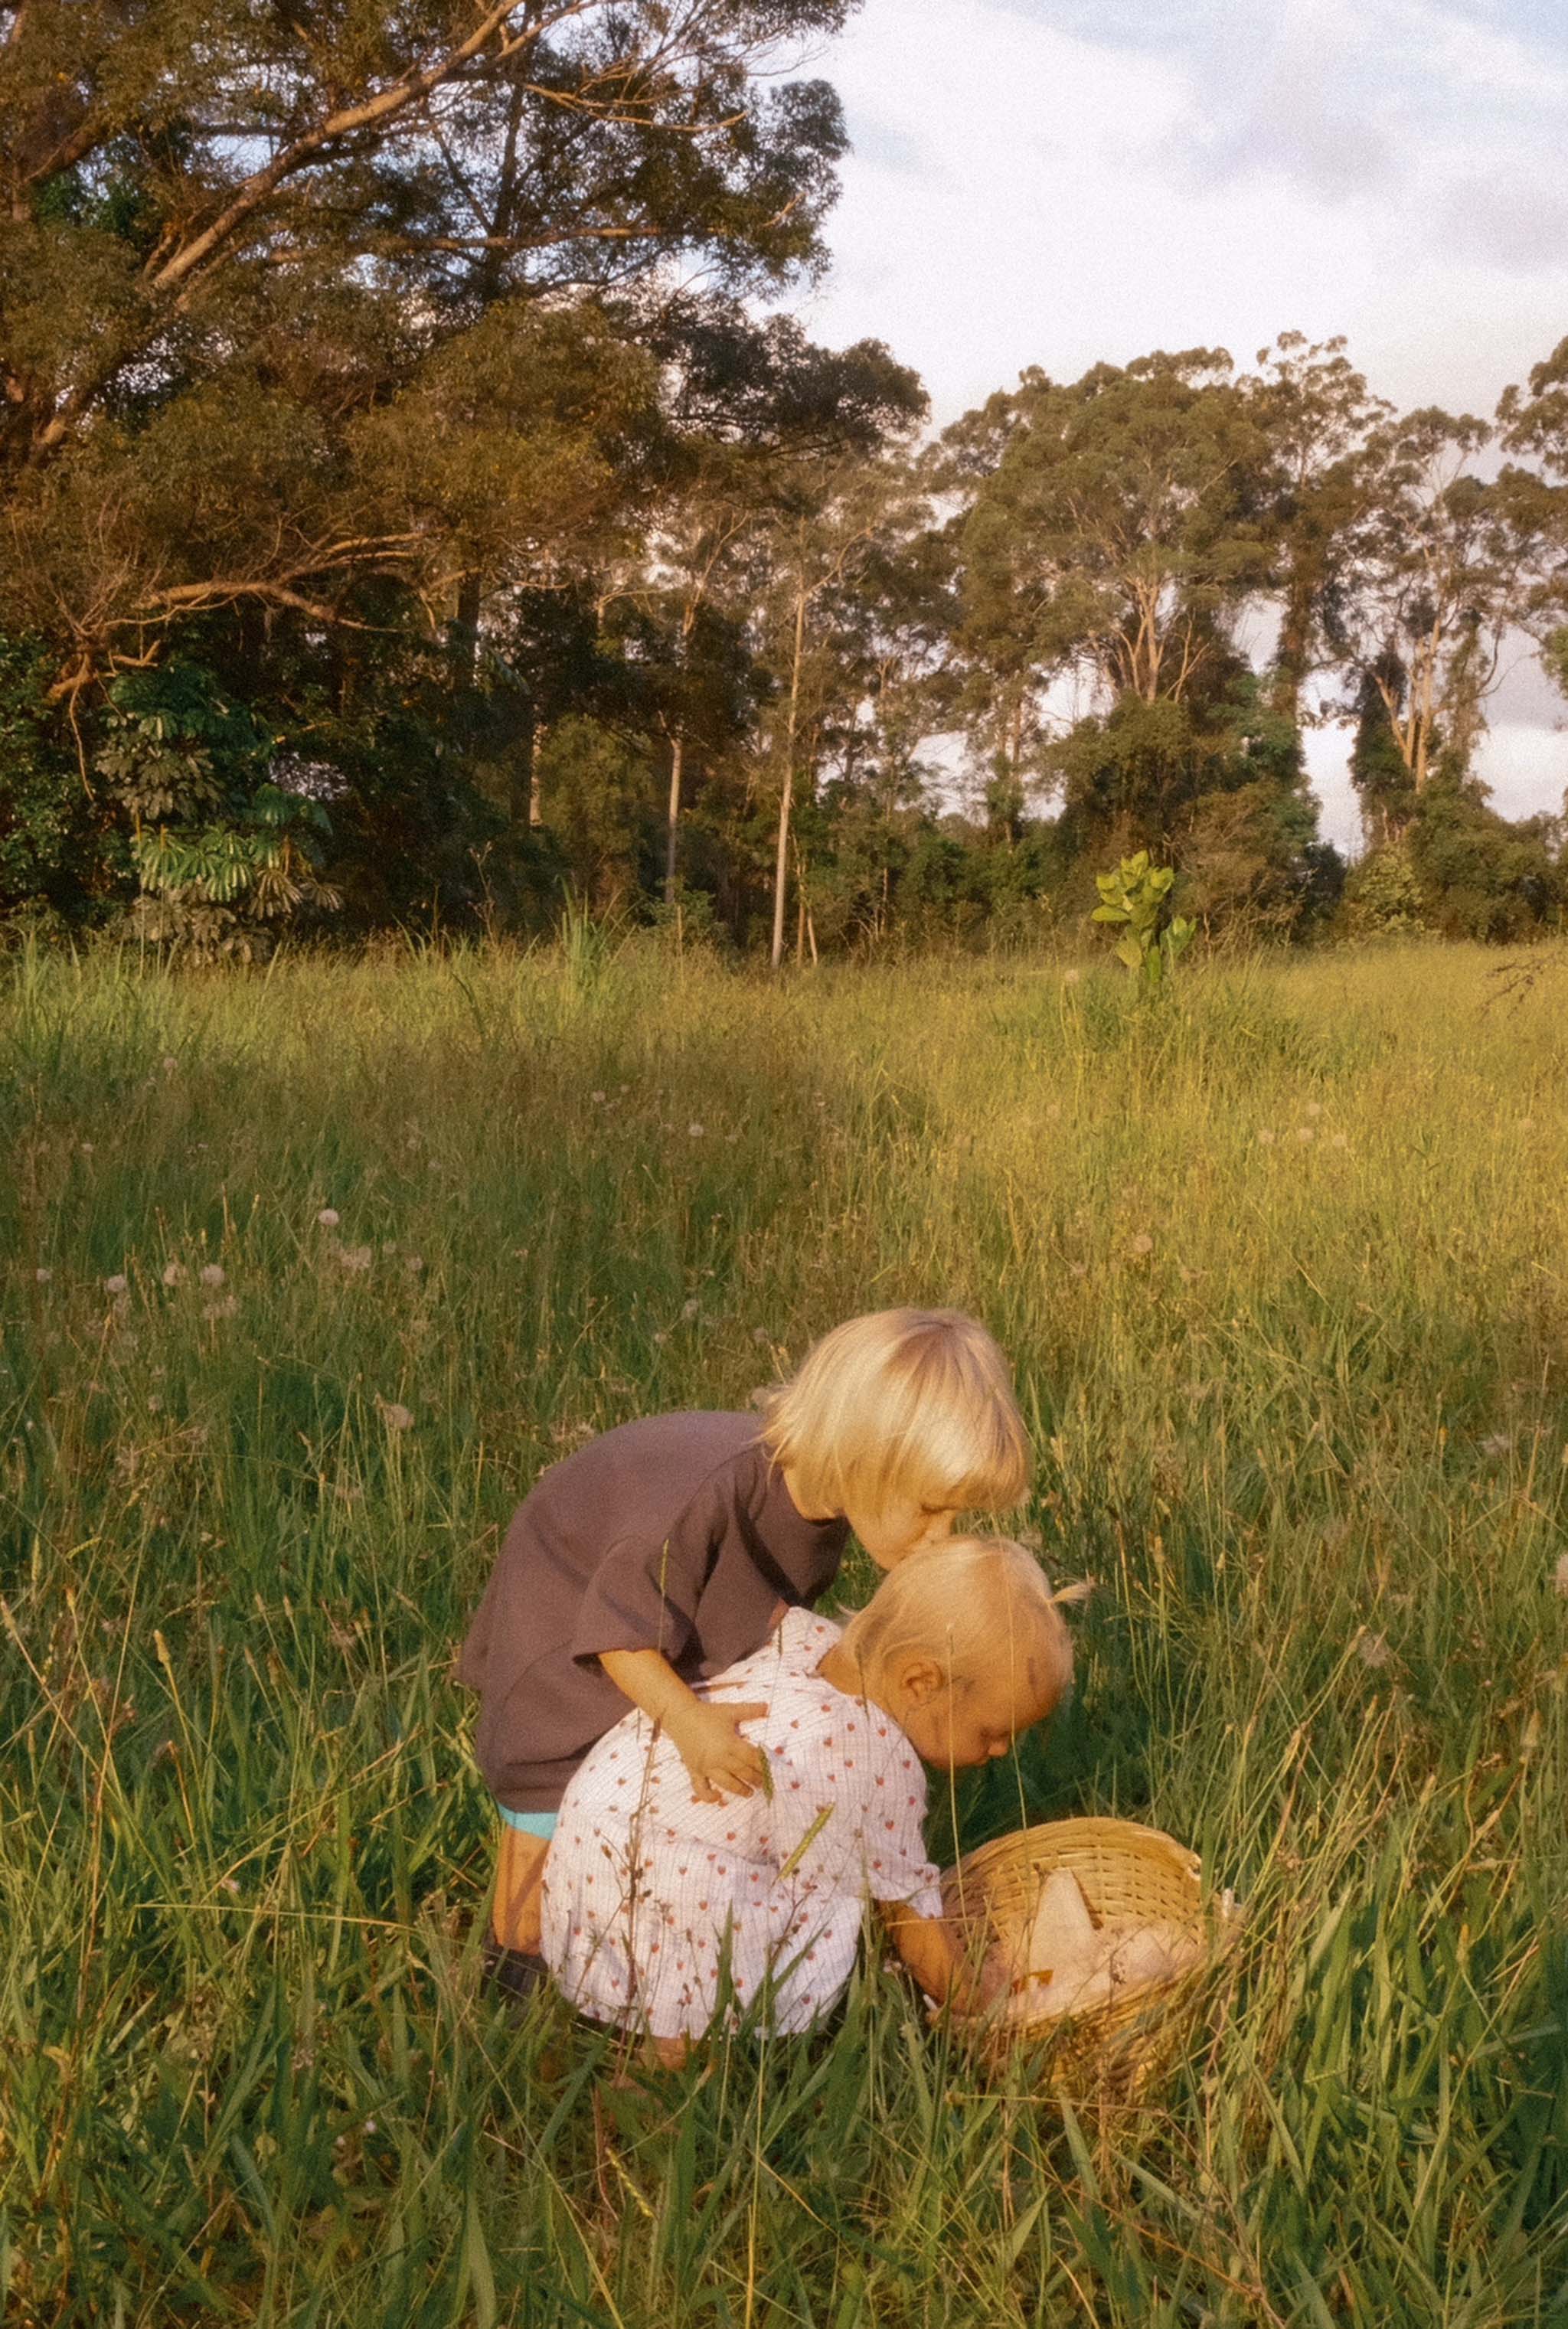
{"x":1135,"y":898}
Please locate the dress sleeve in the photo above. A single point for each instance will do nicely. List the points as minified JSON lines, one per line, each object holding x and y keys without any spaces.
{"x":846,"y":1818}
{"x":644,"y":1594}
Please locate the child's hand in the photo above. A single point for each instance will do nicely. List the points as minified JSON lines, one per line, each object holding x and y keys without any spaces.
{"x":721,"y":1763}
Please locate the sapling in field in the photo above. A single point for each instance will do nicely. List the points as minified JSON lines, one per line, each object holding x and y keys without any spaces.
{"x":1136,"y":898}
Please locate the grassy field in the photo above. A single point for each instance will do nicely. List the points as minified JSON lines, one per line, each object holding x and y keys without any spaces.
{"x":1283,"y":1269}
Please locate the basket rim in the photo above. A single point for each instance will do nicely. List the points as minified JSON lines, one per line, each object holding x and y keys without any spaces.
{"x":1128,"y":2007}
{"x":1008,"y":1846}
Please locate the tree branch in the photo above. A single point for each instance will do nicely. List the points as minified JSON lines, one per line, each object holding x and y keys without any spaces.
{"x":258,"y":188}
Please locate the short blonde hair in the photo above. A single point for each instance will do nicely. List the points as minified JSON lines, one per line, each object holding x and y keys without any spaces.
{"x":909,"y":1403}
{"x":981,"y":1606}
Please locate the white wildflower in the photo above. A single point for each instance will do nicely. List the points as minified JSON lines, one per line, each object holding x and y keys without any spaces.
{"x":85,"y":1146}
{"x":1314,"y":1107}
{"x":413,"y":1263}
{"x":598,"y":1098}
{"x":229,"y":1884}
{"x":44,"y":1275}
{"x":659,"y":1335}
{"x":173,"y":1273}
{"x":1304,"y":1133}
{"x":1339,"y":1140}
{"x":1142,"y":1244}
{"x":1265,"y":1137}
{"x":695,"y":1131}
{"x":1560,"y":1574}
{"x":1071,"y":977}
{"x":352,"y":1258}
{"x":213,"y":1273}
{"x":170,"y":1063}
{"x":329,"y":1217}
{"x":1371,"y":1649}
{"x":225,"y":1307}
{"x":760,"y":1334}
{"x":116,"y":1283}
{"x":396,"y":1417}
{"x":1497,"y":1443}
{"x":689,"y":1310}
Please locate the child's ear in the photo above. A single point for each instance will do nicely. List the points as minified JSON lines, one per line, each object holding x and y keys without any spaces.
{"x":920,"y":1679}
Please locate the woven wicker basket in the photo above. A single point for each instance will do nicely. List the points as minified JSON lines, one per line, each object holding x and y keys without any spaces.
{"x":1124,"y":1871}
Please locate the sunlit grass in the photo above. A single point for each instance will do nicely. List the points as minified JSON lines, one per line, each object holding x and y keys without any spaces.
{"x":1283,"y":1269}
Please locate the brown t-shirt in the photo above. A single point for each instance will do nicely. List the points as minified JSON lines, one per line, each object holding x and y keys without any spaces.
{"x":675,"y":1534}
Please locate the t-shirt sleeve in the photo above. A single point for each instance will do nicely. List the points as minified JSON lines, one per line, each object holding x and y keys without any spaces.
{"x":644,"y":1594}
{"x":851,"y":1823}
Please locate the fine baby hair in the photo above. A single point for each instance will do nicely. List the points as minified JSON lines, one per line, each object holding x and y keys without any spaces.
{"x":983,"y":1608}
{"x":919,"y":1402}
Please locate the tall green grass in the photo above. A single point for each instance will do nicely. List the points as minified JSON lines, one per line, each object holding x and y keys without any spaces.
{"x":1283,"y":1269}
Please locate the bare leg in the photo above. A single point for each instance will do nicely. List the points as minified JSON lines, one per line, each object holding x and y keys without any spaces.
{"x":519,"y":1876}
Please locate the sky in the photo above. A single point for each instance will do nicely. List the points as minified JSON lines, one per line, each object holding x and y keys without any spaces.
{"x":1056,"y":182}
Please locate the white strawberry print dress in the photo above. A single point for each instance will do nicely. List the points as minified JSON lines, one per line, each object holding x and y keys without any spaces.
{"x":654,"y":1907}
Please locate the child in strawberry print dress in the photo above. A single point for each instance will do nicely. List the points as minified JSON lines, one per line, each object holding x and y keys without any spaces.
{"x":660,"y":1912}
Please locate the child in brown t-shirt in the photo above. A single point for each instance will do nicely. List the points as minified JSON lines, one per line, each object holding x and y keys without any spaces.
{"x":664,"y":1551}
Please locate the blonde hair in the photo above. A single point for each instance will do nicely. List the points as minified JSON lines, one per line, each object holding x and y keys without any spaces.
{"x":982,"y":1607}
{"x":912,"y":1403}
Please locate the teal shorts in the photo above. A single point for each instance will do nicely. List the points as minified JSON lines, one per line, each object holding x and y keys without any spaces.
{"x":539,"y":1824}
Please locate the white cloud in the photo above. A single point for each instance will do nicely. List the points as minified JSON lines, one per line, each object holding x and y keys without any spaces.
{"x":1059,"y":182}
{"x":1035,"y":186}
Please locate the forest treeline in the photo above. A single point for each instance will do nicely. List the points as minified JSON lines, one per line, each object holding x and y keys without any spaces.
{"x":417,"y":508}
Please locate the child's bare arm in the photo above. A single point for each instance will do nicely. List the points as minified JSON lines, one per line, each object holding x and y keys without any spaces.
{"x":704,"y":1730}
{"x":930,"y":1948}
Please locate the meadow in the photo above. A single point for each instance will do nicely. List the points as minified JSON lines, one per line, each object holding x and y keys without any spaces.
{"x":306,"y":1273}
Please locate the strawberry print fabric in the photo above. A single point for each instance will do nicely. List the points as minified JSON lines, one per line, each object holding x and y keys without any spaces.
{"x":654,"y":1906}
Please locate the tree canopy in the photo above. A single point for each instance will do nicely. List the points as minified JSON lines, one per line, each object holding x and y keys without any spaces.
{"x":416,"y":502}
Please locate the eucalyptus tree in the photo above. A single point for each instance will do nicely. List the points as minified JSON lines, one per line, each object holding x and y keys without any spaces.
{"x":760,"y":422}
{"x":832,"y":548}
{"x":1318,"y":415}
{"x":1534,"y":421}
{"x":1436,"y":574}
{"x":1111,"y":529}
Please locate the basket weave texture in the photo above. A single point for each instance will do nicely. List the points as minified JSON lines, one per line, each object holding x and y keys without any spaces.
{"x":1124,"y":1870}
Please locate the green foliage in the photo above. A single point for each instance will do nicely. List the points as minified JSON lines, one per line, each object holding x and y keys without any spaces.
{"x":221,"y":232}
{"x":1481,"y":876}
{"x":223,"y":856}
{"x":59,"y":865}
{"x":1383,"y":897}
{"x":1135,"y":898}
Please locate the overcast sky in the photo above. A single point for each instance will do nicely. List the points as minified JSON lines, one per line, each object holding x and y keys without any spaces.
{"x":1053,"y":182}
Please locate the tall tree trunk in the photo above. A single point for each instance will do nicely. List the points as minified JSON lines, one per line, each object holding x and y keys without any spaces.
{"x":1292,"y":650}
{"x":786,"y":789}
{"x":465,"y":631}
{"x":673,"y":821}
{"x":522,"y":780}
